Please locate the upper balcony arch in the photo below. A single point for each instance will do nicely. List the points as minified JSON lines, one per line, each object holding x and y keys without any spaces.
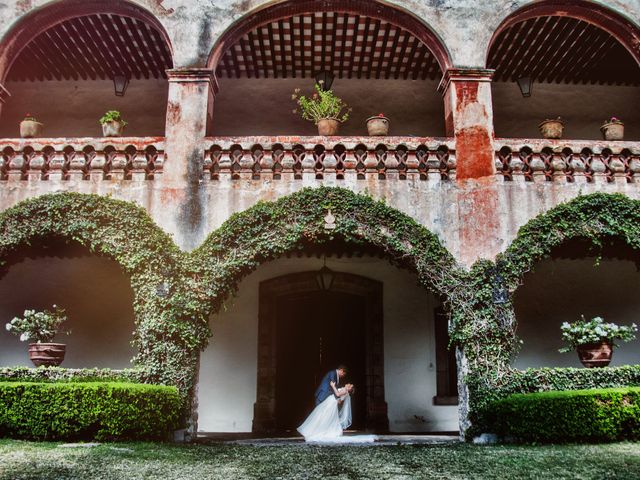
{"x":60,"y":60}
{"x":580,"y":60}
{"x":373,"y":9}
{"x":363,"y":43}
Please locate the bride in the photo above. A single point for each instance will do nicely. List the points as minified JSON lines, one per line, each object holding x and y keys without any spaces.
{"x":328,"y":420}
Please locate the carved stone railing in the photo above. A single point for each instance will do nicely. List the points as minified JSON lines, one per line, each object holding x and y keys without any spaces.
{"x":297,"y":158}
{"x":65,"y":159}
{"x":580,"y":161}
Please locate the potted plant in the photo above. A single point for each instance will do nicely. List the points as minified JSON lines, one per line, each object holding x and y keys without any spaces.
{"x":378,"y":125}
{"x":594,"y":340}
{"x":41,"y":327}
{"x":112,"y":124}
{"x":551,"y":127}
{"x":30,"y":127}
{"x":323,"y":108}
{"x":612,"y":129}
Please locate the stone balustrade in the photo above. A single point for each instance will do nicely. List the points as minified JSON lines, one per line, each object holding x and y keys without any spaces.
{"x":297,"y":158}
{"x":526,"y":160}
{"x":64,"y":159}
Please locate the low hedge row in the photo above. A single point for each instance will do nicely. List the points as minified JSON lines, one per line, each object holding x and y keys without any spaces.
{"x":61,"y":374}
{"x":569,"y":416}
{"x":88,"y":410}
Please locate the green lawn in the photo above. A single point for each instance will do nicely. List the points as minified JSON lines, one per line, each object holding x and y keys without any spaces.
{"x":129,"y":461}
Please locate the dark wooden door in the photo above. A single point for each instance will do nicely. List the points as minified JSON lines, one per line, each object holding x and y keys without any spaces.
{"x":317,"y":331}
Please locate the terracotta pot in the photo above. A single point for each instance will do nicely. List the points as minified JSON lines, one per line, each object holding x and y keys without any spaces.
{"x":112,"y":129}
{"x":595,"y":354}
{"x":612,"y":130}
{"x":551,"y":128}
{"x":378,"y":126}
{"x":328,"y":127}
{"x":30,"y":128}
{"x":48,"y":354}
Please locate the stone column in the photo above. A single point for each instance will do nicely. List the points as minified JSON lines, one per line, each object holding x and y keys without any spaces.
{"x":469,"y":118}
{"x":191,"y":93}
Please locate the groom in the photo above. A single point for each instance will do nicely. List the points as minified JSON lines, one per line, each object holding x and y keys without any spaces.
{"x":329,"y":384}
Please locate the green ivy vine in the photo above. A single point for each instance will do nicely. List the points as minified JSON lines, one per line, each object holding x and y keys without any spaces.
{"x":172,"y":328}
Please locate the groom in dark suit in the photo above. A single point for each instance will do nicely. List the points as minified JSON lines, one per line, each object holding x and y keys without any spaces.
{"x":329,"y":384}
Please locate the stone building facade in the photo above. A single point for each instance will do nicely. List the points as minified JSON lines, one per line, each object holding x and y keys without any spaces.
{"x":211,"y":134}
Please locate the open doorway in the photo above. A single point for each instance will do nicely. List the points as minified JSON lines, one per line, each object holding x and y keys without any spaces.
{"x":303,"y":333}
{"x":316,"y":332}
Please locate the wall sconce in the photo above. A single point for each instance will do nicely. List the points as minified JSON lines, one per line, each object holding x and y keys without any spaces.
{"x":324,"y":78}
{"x":120,"y":84}
{"x":325,"y":277}
{"x":526,"y":86}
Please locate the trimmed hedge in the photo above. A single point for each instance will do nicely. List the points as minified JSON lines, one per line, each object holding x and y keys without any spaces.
{"x":62,"y":374}
{"x":570,"y":416}
{"x":87,"y":411}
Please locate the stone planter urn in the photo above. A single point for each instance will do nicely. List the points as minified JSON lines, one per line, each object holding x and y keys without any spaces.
{"x":328,"y":127}
{"x":613,"y":130}
{"x":30,"y":128}
{"x":551,"y":128}
{"x":378,"y":126}
{"x":113,"y":128}
{"x":47,"y":354}
{"x":595,"y":354}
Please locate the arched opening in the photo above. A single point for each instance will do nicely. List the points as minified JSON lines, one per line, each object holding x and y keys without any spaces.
{"x":384,"y":60}
{"x":94,"y":291}
{"x":580,"y":61}
{"x":275,"y":339}
{"x":66,"y":63}
{"x":577,"y":279}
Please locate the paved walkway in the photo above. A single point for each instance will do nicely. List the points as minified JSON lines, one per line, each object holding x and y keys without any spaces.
{"x":380,"y":440}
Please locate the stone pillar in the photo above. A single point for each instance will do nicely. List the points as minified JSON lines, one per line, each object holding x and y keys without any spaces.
{"x":469,"y":118}
{"x":191,"y":93}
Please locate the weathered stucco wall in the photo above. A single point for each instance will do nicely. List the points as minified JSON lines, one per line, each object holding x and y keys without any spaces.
{"x":561,"y":290}
{"x":447,"y":208}
{"x":583,"y":108}
{"x":228,"y":367}
{"x":264,"y":106}
{"x":72,"y":109}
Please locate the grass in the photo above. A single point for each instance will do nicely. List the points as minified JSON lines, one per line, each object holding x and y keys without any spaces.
{"x":30,"y":460}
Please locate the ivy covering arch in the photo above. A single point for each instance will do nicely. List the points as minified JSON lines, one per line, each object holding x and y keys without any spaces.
{"x":270,"y":229}
{"x":169,"y":329}
{"x":489,"y":335}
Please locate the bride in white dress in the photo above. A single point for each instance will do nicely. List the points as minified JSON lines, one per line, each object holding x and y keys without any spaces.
{"x":330,"y":418}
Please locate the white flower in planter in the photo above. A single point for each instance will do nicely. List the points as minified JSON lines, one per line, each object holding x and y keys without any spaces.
{"x":24,"y":337}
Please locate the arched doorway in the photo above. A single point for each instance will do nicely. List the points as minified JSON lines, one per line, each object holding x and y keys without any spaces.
{"x":303,"y":332}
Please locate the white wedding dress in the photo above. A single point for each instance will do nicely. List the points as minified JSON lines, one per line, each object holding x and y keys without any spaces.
{"x":327,"y":422}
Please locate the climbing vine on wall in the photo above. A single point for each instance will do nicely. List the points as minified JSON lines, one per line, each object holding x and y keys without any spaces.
{"x":172,"y":327}
{"x":489,"y":334}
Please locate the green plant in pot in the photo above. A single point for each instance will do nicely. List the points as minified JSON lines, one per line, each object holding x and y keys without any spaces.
{"x":323,"y":108}
{"x":594,"y":339}
{"x":41,"y":327}
{"x":112,"y":124}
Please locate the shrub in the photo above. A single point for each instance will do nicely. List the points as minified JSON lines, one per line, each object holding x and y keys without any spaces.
{"x":569,"y":416}
{"x":92,"y":410}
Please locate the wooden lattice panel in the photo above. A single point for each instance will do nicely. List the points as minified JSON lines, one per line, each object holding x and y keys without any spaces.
{"x":94,"y":47}
{"x":561,"y":49}
{"x":348,"y":45}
